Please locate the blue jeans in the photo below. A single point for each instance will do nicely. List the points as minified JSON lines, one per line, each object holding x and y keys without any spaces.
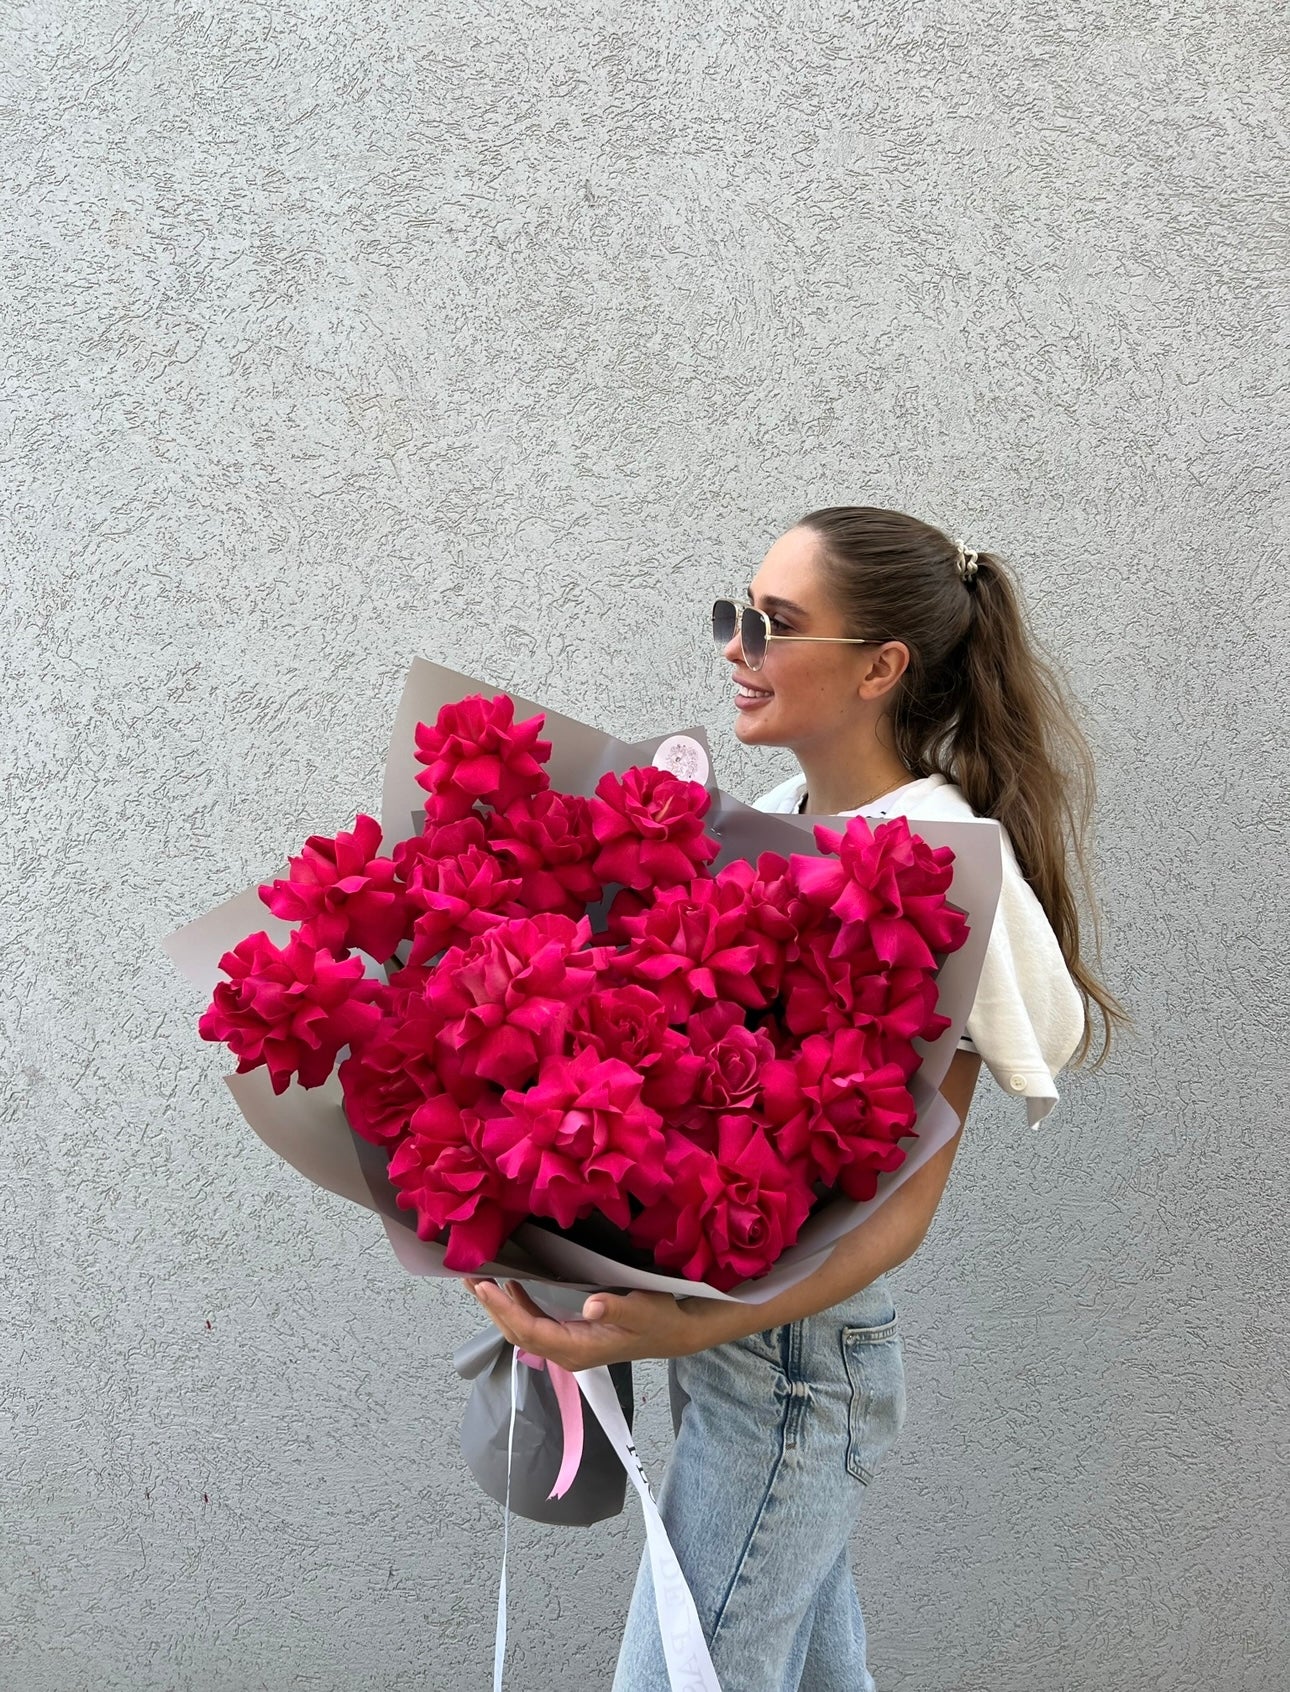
{"x":780,"y":1434}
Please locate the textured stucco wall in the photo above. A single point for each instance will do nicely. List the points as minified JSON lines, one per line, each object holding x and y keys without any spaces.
{"x":508,"y":334}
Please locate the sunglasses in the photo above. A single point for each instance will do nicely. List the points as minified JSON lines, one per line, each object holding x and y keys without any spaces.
{"x":753,"y":627}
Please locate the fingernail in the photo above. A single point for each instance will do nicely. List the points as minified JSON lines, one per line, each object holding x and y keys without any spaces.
{"x":593,"y":1310}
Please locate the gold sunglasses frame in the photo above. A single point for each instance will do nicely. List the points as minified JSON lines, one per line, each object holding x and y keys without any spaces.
{"x":740,"y":607}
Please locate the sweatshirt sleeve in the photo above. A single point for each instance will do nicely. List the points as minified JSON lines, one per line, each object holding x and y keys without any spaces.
{"x":1028,"y":1015}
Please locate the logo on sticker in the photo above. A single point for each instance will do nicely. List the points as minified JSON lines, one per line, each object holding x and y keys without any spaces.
{"x":682,"y":757}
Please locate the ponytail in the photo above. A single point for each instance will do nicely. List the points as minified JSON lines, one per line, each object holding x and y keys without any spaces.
{"x":979,"y":705}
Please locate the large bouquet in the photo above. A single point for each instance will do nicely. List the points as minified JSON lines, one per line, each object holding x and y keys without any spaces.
{"x":572,"y":1014}
{"x":550,"y":1007}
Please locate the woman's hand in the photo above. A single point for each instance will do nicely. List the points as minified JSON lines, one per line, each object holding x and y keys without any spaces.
{"x":614,"y":1327}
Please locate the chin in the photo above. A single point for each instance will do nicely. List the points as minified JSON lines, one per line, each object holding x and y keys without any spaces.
{"x":752,"y":732}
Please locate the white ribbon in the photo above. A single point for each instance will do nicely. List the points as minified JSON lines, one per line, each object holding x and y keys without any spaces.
{"x":689,"y":1666}
{"x":499,"y":1642}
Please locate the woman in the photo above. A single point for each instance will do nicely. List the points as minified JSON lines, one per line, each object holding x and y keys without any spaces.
{"x":896,"y":666}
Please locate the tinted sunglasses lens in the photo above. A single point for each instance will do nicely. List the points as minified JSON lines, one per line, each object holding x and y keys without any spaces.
{"x":723,"y":622}
{"x":753,"y":625}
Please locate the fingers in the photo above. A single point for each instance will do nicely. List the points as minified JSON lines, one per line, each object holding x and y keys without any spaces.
{"x":626,"y":1310}
{"x":575,"y":1342}
{"x":516,"y":1293}
{"x":573,"y":1345}
{"x":497,"y":1308}
{"x":521,"y":1321}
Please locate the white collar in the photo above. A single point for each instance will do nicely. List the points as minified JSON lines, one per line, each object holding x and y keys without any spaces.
{"x":885,"y":804}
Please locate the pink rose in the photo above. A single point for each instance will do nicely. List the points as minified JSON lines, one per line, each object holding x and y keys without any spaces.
{"x":650,"y":828}
{"x":732,"y":1057}
{"x":437,"y":840}
{"x":383,"y":1085}
{"x":290,"y":1008}
{"x":343,"y":894}
{"x":693,"y":947}
{"x":477,"y":752}
{"x":547,"y":844}
{"x":579,"y":1140}
{"x":821,"y":994}
{"x":766,"y":898}
{"x":908,"y":1011}
{"x":456,"y":899}
{"x":834,"y":1102}
{"x":727,"y":1215}
{"x":886,"y":889}
{"x":630,"y":1023}
{"x":440,"y":1172}
{"x":506,"y":999}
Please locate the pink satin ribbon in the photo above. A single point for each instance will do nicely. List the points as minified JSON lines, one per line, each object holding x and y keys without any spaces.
{"x":568,"y":1397}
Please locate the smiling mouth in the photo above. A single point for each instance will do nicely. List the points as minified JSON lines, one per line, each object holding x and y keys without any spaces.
{"x":742,"y":691}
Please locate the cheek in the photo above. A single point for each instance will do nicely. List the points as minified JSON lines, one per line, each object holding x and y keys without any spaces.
{"x":824,"y":698}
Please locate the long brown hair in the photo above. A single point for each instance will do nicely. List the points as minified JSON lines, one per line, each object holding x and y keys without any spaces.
{"x":977,"y":704}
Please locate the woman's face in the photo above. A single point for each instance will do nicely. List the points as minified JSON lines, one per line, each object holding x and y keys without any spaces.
{"x":805,"y":694}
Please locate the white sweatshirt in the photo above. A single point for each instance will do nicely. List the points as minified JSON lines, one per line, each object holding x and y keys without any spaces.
{"x":1028,"y":1016}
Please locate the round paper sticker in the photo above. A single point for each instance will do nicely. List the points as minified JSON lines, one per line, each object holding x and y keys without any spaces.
{"x":682,"y":757}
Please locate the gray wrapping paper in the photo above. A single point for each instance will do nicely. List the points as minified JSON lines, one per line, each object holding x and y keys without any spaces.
{"x":600,"y":1486}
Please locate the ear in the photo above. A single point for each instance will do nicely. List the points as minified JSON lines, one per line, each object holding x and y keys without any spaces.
{"x":884,"y":666}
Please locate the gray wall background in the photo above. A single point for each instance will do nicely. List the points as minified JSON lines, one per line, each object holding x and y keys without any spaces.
{"x":508,"y":335}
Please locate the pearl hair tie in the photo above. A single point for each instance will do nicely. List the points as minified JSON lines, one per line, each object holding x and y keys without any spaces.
{"x":965,"y":563}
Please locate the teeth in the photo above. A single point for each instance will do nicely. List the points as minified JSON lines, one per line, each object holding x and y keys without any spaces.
{"x":751,"y":692}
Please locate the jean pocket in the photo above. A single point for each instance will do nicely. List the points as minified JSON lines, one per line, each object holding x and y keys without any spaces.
{"x":876,"y":1371}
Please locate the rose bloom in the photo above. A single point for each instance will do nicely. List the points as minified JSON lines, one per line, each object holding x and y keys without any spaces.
{"x":477,"y":752}
{"x":650,"y":828}
{"x":886,"y":888}
{"x":732,"y":1056}
{"x":837,"y":1099}
{"x":343,"y":894}
{"x":579,"y":1140}
{"x":457,"y":898}
{"x":437,"y":840}
{"x":547,"y":844}
{"x":291,"y":1008}
{"x":822,"y":994}
{"x":630,"y":1023}
{"x":440,"y":1171}
{"x":384,"y":1083}
{"x":727,"y":1215}
{"x":693,"y":947}
{"x":764,"y":895}
{"x":506,"y":999}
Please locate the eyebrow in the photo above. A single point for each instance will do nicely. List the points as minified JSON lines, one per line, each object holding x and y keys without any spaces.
{"x":772,"y":602}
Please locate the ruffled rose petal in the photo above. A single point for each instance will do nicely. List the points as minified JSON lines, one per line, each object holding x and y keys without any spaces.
{"x":475,"y":751}
{"x":649,"y":825}
{"x":580,"y":1139}
{"x":727,"y":1214}
{"x":343,"y":894}
{"x":291,"y":1008}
